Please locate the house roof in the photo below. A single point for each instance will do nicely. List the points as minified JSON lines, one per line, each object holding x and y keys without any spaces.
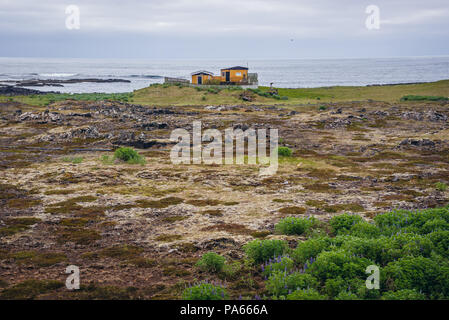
{"x":202,"y":72}
{"x":235,"y":68}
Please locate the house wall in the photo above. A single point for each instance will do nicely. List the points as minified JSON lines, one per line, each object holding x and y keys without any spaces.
{"x":204,"y":76}
{"x":234,"y":77}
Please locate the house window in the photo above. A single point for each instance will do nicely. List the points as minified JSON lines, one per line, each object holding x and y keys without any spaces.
{"x":238,"y":74}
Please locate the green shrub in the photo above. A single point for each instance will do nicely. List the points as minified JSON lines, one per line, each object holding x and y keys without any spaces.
{"x":125,"y":154}
{"x":281,"y":263}
{"x":281,"y":283}
{"x":405,"y":294}
{"x":128,"y":155}
{"x":310,"y":249}
{"x":211,"y":262}
{"x":419,"y":221}
{"x":293,"y":225}
{"x":339,"y":263}
{"x":422,"y":274}
{"x":205,"y":291}
{"x":364,"y":229}
{"x":285,"y":151}
{"x":341,"y":224}
{"x":440,"y":241}
{"x":262,"y":250}
{"x":346,"y":295}
{"x":441,"y":186}
{"x":307,"y":294}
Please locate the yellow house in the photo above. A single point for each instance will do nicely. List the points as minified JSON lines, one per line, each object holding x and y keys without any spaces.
{"x":234,"y":75}
{"x":201,"y":77}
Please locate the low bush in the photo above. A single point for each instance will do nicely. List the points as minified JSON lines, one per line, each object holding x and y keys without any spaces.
{"x":260,"y":251}
{"x":285,"y":151}
{"x":441,"y":186}
{"x":308,"y":294}
{"x":281,"y":263}
{"x":280,"y":283}
{"x":405,"y":294}
{"x":205,"y":291}
{"x":310,"y":249}
{"x":211,"y":262}
{"x":339,"y":263}
{"x":341,"y":224}
{"x":295,"y":226}
{"x":128,"y":155}
{"x":422,"y":274}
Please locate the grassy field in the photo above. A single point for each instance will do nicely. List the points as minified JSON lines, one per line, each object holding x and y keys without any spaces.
{"x":172,"y":95}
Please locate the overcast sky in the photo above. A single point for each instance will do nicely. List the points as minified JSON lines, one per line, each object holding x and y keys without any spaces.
{"x":223,"y":29}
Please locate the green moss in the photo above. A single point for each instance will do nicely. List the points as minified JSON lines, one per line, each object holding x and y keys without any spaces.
{"x":74,"y":222}
{"x":23,"y":203}
{"x":187,"y":247}
{"x":260,"y":234}
{"x":30,"y":289}
{"x":168,"y":237}
{"x":74,"y":160}
{"x":39,"y":259}
{"x":78,"y":235}
{"x":282,"y":200}
{"x":122,"y":252}
{"x":17,"y":225}
{"x":175,"y":271}
{"x":232,"y":228}
{"x":320,"y":187}
{"x":141,"y":262}
{"x":159,"y":204}
{"x":292,"y":210}
{"x":352,"y":207}
{"x":203,"y":202}
{"x":95,"y":292}
{"x":316,"y":203}
{"x":174,"y":218}
{"x":213,"y":212}
{"x":230,"y":203}
{"x":59,"y":192}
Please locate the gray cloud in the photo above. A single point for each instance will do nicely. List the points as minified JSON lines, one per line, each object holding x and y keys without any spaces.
{"x":322,"y":28}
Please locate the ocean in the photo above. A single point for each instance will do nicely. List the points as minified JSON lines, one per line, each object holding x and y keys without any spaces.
{"x":292,"y":73}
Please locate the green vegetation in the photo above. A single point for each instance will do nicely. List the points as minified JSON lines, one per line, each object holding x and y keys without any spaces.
{"x":181,"y":95}
{"x":205,"y":291}
{"x":411,"y":248}
{"x":285,"y":151}
{"x":281,"y":263}
{"x":129,"y":155}
{"x":296,"y":226}
{"x":211,"y":262}
{"x":261,"y":250}
{"x":343,"y":223}
{"x":46,"y":99}
{"x":29,"y":289}
{"x":441,"y":186}
{"x":74,"y":160}
{"x":16,"y":225}
{"x":423,"y":98}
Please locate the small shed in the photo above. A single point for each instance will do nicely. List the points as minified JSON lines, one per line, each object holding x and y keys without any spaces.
{"x":202,"y":76}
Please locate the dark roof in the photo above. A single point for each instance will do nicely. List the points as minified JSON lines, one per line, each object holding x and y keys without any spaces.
{"x":202,"y":72}
{"x":235,"y":68}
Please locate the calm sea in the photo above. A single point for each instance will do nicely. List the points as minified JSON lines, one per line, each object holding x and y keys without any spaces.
{"x":297,"y":73}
